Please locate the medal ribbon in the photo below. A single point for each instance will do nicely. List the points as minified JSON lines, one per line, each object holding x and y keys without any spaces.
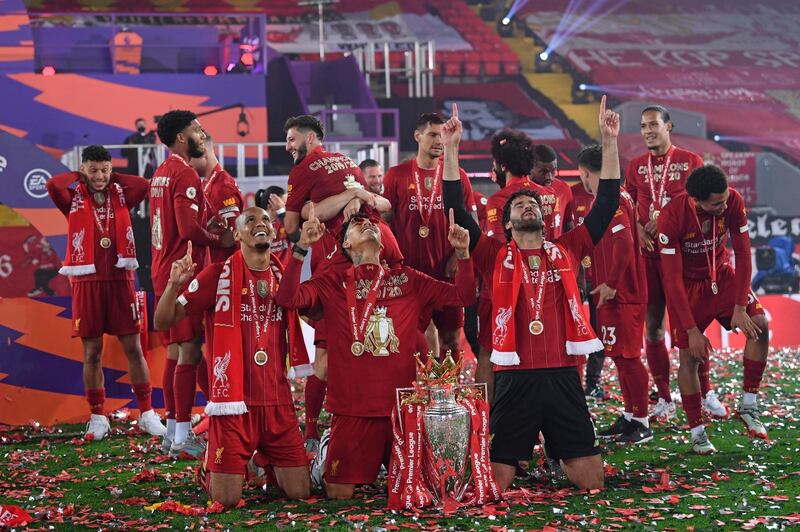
{"x":527,"y":284}
{"x":372,"y":297}
{"x":255,"y":315}
{"x":712,"y":262}
{"x":104,"y":231}
{"x":651,"y":177}
{"x":425,"y":217}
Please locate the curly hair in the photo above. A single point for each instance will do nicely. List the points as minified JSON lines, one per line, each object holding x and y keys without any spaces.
{"x":95,"y":153}
{"x":513,"y":150}
{"x":173,"y":123}
{"x":304,"y":124}
{"x":706,"y":180}
{"x":507,"y":207}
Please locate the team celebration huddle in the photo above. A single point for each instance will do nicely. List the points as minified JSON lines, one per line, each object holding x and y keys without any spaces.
{"x":543,"y":283}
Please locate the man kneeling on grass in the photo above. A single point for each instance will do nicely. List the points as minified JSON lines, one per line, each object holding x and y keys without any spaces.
{"x":250,"y":408}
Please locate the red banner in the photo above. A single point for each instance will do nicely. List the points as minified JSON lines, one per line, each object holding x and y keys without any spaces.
{"x":28,"y":264}
{"x":741,"y":171}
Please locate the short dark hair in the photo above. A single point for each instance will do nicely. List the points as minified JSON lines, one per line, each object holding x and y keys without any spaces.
{"x":660,"y":109}
{"x":368,"y":163}
{"x":507,"y":207}
{"x":95,"y":153}
{"x":262,"y":195}
{"x":513,"y":149}
{"x":706,"y":180}
{"x":544,"y":153}
{"x":346,"y":227}
{"x":173,"y":123}
{"x":304,"y":124}
{"x":428,"y":118}
{"x":140,"y":120}
{"x":591,"y":158}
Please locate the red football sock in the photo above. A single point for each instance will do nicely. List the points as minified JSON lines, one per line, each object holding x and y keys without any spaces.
{"x":658,"y":361}
{"x":167,"y":388}
{"x":704,"y":372}
{"x":143,"y":393}
{"x":96,"y":400}
{"x":636,"y":381}
{"x":185,"y":385}
{"x":623,"y":383}
{"x":202,"y":377}
{"x":315,"y":396}
{"x":753,"y":372}
{"x":692,"y":407}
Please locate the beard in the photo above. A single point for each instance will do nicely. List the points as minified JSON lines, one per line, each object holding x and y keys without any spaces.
{"x":527,"y":226}
{"x":262,"y":246}
{"x":499,"y":176}
{"x":195,"y":151}
{"x":302,"y":151}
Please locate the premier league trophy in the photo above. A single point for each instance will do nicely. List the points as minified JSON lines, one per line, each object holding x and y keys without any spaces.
{"x":440,"y":454}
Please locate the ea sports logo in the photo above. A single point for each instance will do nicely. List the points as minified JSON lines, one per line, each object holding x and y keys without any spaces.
{"x":35,"y":182}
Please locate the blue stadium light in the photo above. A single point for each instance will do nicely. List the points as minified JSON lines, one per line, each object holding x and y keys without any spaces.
{"x":544,"y":56}
{"x":515,"y":7}
{"x":506,"y":21}
{"x":717,"y":138}
{"x":582,"y":86}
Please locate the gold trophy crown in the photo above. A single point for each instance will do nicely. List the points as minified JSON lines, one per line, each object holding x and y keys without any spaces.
{"x":435,"y":373}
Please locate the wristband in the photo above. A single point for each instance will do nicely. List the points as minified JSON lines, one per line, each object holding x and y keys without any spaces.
{"x":299,"y":250}
{"x":281,"y":211}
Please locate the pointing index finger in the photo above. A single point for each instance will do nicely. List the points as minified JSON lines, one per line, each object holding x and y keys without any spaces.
{"x":455,"y":110}
{"x":603,"y":106}
{"x":311,"y":214}
{"x":189,"y":249}
{"x":452,"y":218}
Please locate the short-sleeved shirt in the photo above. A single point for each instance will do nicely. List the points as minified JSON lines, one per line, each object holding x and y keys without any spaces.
{"x":224,"y":199}
{"x":547,"y":350}
{"x":430,"y":254}
{"x":263,"y":385}
{"x":637,"y":181}
{"x":621,"y":269}
{"x":480,"y":207}
{"x":174,"y":185}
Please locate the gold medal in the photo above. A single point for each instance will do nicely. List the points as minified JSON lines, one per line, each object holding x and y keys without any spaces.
{"x":586,"y":262}
{"x":714,"y":288}
{"x":536,"y":327}
{"x":260,"y":357}
{"x":105,"y":242}
{"x":534,"y":261}
{"x":357,"y":349}
{"x":424,"y":231}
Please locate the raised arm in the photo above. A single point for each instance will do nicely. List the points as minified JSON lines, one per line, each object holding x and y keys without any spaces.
{"x":607,"y":201}
{"x":169,"y":311}
{"x":58,"y":189}
{"x":291,"y":294}
{"x":134,"y":187}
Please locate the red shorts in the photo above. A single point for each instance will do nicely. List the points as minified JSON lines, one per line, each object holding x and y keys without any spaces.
{"x":707,"y":307}
{"x":358,"y":447}
{"x":655,"y":290}
{"x":100,"y":307}
{"x":187,"y":329}
{"x":620,"y":327}
{"x":273,"y":431}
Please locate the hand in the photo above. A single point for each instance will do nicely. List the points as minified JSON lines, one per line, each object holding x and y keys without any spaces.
{"x":651,"y":228}
{"x":312,"y":229}
{"x":226,"y":239}
{"x":366,"y":197}
{"x":699,"y":345}
{"x":352,"y":207}
{"x":608,"y":120}
{"x":458,"y":237}
{"x":275,"y":202}
{"x":451,"y":268}
{"x":216,"y":225}
{"x":646,"y":241}
{"x":740,"y":320}
{"x":605,"y":293}
{"x":451,"y":130}
{"x":183,"y":269}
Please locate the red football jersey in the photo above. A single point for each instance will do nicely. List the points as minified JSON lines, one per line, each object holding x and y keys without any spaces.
{"x":320,"y":175}
{"x":263,"y":385}
{"x":617,"y":260}
{"x":547,"y":350}
{"x":637,"y":180}
{"x":428,"y":255}
{"x":174,"y":189}
{"x":134,"y":188}
{"x":582,"y":202}
{"x":364,"y":384}
{"x":281,"y":248}
{"x":691,"y":243}
{"x":556,"y":203}
{"x":223,"y":199}
{"x":480,"y":207}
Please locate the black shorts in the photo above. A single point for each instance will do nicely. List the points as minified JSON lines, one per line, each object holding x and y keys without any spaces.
{"x":549,"y":401}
